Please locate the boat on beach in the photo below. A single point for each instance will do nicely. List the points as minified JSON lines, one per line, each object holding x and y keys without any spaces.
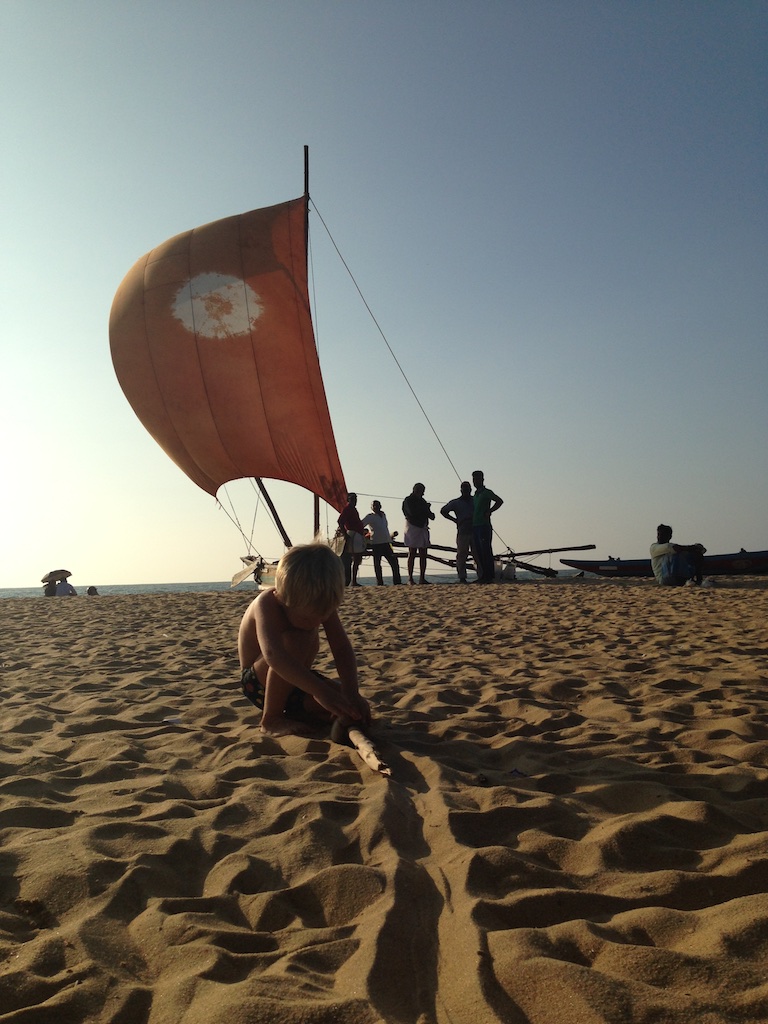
{"x":740,"y":563}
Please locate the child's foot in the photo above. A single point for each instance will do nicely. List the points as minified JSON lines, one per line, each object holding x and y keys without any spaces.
{"x":283,"y":726}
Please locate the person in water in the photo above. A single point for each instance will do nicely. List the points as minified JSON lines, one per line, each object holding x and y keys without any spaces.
{"x":279,"y":640}
{"x":675,"y":564}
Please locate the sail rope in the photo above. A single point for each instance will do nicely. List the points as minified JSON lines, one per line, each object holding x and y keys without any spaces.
{"x":386,"y":342}
{"x":234,"y":519}
{"x":233,"y":516}
{"x":389,"y":347}
{"x":253,"y":520}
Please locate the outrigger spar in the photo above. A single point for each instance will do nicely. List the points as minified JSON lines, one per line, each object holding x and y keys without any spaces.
{"x":507,"y":557}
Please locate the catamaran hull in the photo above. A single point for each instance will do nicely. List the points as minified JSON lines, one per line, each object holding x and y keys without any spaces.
{"x":741,"y":563}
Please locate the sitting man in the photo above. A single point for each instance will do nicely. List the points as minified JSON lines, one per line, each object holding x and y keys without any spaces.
{"x":675,"y":564}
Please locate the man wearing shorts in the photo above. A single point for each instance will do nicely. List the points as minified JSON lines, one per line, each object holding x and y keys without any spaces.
{"x":417,"y":514}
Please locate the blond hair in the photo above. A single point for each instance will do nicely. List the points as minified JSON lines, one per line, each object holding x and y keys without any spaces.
{"x":311,"y":576}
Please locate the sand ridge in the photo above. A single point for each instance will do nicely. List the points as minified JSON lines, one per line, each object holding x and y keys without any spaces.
{"x":575,"y":830}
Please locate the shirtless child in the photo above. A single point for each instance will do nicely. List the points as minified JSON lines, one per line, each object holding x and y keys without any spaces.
{"x":279,"y":640}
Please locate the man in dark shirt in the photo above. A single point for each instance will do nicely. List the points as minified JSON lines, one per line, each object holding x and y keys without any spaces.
{"x":352,"y":556}
{"x":461,"y":512}
{"x":417,"y":514}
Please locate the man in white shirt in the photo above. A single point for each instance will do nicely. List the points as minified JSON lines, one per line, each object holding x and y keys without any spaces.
{"x":381,"y":543}
{"x":675,"y":564}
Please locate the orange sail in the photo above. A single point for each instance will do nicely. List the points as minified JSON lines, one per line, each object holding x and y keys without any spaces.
{"x":212,"y":343}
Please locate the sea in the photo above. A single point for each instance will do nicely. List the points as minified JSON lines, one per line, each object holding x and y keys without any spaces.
{"x":110,"y":589}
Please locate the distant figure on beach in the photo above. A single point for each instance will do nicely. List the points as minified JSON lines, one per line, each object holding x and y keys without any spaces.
{"x":675,"y":564}
{"x":279,"y":640}
{"x":381,"y":543}
{"x":92,"y":592}
{"x":461,"y":512}
{"x":417,"y":514}
{"x":65,"y":589}
{"x":353,"y":529}
{"x":50,"y":589}
{"x":485,"y":504}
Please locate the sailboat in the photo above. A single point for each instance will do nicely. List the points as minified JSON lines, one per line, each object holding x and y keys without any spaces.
{"x":213,"y":345}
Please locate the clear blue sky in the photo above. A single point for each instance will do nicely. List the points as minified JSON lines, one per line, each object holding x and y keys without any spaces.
{"x":557,"y":212}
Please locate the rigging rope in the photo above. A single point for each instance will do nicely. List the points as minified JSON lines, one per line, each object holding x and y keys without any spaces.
{"x":386,"y":342}
{"x":233,"y":518}
{"x":389,"y":347}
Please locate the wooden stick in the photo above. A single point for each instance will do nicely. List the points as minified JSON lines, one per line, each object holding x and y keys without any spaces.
{"x":362,"y":744}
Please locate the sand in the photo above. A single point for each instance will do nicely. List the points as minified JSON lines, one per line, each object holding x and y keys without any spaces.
{"x":576,"y":830}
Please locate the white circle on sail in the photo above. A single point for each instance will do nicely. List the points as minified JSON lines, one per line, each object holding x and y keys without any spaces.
{"x":217,"y":306}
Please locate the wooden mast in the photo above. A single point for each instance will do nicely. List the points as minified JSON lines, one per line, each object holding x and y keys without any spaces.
{"x":259,"y":481}
{"x":273,"y":510}
{"x":316,"y":503}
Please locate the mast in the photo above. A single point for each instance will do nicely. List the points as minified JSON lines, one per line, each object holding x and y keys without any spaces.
{"x":316,"y":499}
{"x":273,"y":510}
{"x":259,"y":482}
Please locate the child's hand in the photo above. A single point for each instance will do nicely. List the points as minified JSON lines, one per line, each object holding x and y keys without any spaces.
{"x":364,"y":711}
{"x":362,"y":716}
{"x":337,"y":704}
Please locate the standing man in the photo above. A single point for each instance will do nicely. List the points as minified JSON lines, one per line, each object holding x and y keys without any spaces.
{"x":485,"y":504}
{"x":354,"y":531}
{"x":381,"y":543}
{"x":417,"y":514}
{"x":461,"y":512}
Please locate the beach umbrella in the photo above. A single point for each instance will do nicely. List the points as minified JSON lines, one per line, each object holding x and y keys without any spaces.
{"x":56,"y":574}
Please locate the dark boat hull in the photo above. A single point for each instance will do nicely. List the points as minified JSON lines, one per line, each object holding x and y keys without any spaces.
{"x":741,"y":563}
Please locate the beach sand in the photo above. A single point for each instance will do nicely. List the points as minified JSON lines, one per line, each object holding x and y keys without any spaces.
{"x":576,"y":830}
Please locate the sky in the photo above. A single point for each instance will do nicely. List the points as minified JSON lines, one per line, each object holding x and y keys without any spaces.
{"x":556,"y":211}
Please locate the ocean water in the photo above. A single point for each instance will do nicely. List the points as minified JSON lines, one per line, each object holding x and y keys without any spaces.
{"x":109,"y":589}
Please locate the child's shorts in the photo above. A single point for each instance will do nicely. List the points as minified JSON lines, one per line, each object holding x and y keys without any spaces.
{"x":253,"y":690}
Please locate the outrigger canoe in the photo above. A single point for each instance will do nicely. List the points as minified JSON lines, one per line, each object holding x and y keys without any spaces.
{"x":741,"y":563}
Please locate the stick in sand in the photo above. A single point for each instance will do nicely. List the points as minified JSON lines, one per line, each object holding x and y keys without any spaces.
{"x":342,"y":729}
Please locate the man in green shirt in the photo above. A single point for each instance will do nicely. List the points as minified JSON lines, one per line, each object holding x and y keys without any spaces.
{"x":486,"y":503}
